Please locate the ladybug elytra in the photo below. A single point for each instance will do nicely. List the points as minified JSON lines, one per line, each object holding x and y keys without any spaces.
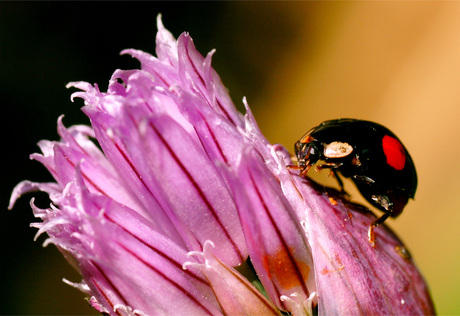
{"x":367,"y":153}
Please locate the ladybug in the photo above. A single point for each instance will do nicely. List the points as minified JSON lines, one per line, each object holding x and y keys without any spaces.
{"x":367,"y":153}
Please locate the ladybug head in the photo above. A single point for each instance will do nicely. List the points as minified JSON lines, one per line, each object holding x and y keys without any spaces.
{"x":307,"y":153}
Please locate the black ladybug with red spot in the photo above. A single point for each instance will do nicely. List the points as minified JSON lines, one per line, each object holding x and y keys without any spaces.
{"x":367,"y":153}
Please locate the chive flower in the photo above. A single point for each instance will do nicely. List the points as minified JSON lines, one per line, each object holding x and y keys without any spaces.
{"x":174,"y":203}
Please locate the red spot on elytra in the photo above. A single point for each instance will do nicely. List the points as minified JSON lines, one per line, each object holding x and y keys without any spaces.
{"x":394,"y":152}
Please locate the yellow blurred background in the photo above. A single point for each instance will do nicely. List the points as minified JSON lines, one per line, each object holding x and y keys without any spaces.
{"x":299,"y":63}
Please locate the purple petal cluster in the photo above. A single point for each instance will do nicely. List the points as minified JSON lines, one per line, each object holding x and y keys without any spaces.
{"x":181,"y":189}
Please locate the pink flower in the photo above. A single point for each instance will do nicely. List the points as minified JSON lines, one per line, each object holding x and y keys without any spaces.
{"x":163,"y":219}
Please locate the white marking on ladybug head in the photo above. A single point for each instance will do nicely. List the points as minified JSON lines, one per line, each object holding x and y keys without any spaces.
{"x":337,"y":150}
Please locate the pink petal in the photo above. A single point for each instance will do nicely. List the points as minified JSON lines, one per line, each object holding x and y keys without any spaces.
{"x":235,"y":294}
{"x":276,"y":241}
{"x":124,"y":261}
{"x":352,"y":276}
{"x":198,"y":197}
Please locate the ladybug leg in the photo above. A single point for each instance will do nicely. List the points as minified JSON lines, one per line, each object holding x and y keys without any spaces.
{"x":330,"y":165}
{"x":303,"y":170}
{"x":339,"y":180}
{"x":376,"y":223}
{"x":333,"y":167}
